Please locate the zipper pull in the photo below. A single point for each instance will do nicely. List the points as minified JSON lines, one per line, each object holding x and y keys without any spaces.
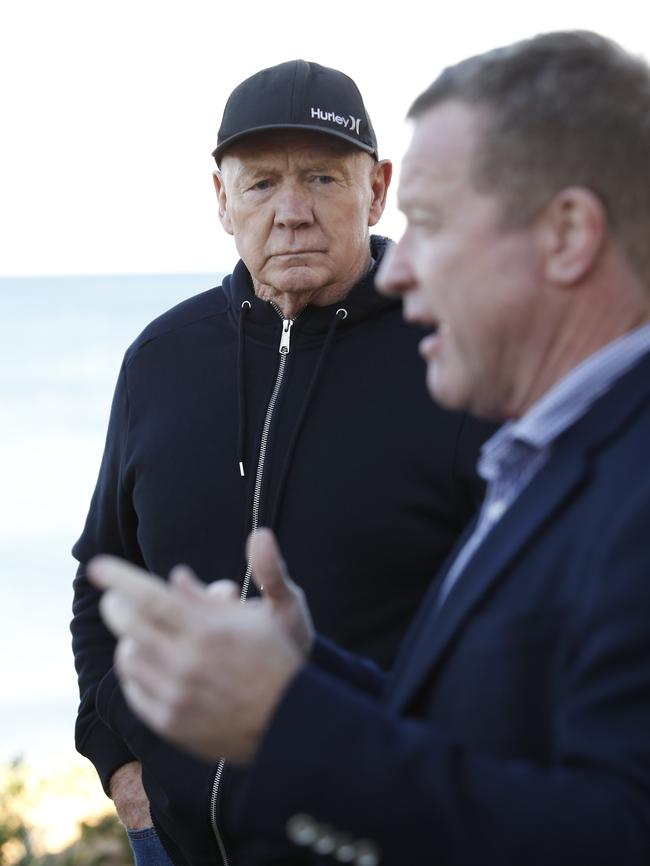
{"x":286,"y":334}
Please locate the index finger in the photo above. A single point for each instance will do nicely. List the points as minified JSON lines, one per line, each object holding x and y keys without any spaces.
{"x":143,"y":593}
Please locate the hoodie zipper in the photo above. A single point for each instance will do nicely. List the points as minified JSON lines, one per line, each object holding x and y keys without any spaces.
{"x":283,"y":349}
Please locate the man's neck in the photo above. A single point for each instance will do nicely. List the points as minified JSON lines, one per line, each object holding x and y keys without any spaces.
{"x":579,"y":340}
{"x":290,"y":303}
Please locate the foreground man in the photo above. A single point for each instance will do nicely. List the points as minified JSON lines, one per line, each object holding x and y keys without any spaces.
{"x":290,"y":396}
{"x":515,"y":727}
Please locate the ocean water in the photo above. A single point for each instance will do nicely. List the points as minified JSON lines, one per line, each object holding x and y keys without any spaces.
{"x":61,"y":345}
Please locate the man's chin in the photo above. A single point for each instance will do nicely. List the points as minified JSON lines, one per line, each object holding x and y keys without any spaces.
{"x":298,"y":279}
{"x":458,"y":395}
{"x":442,"y":390}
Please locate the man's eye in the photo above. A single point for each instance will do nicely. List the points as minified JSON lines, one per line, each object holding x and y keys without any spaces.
{"x":261,"y":185}
{"x":323,"y":179}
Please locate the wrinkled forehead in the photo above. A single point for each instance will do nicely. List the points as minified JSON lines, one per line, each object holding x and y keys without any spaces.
{"x":279,"y":143}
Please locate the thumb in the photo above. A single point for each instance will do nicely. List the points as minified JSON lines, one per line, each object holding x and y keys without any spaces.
{"x":269,"y":570}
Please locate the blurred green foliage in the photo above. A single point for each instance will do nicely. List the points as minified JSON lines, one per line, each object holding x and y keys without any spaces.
{"x":15,"y":837}
{"x":100,"y":843}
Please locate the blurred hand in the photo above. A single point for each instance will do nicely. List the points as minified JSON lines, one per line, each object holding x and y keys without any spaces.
{"x":271,"y":578}
{"x":199,"y":667}
{"x":128,"y":794}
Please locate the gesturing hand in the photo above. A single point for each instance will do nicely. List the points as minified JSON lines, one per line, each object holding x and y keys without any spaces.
{"x":200,"y":668}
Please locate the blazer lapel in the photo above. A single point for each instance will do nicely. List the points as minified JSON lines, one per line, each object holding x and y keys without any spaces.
{"x":538,"y":503}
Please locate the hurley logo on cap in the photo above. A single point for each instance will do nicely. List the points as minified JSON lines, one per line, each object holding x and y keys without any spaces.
{"x":348,"y":122}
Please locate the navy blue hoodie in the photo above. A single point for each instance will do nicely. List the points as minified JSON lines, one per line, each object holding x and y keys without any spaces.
{"x":366,"y":482}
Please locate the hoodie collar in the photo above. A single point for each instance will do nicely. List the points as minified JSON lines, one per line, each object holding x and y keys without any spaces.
{"x":361,"y":302}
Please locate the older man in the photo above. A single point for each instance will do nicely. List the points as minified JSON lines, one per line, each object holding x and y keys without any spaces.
{"x":260,"y":402}
{"x":515,"y":726}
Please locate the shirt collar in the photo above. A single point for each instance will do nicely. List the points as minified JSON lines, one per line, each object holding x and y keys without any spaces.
{"x":567,"y":401}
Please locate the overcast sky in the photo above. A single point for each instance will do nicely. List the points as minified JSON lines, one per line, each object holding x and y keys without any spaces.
{"x":109,"y":111}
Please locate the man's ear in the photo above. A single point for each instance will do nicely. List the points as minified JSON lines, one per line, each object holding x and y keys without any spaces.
{"x":574,"y":232}
{"x":380,"y":177}
{"x":222,"y":198}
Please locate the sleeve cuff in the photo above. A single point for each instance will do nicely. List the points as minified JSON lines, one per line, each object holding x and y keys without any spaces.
{"x":106,"y":751}
{"x":359,"y":672}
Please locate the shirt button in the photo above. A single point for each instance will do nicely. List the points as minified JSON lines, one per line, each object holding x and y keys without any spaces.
{"x":345,"y":849}
{"x":495,"y":509}
{"x":302,"y":829}
{"x":367,"y":854}
{"x":325,"y":841}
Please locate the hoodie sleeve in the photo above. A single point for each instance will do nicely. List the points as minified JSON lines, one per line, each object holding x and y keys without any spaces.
{"x":111,"y":527}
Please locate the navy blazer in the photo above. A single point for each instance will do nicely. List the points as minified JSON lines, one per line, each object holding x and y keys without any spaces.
{"x":515,"y":726}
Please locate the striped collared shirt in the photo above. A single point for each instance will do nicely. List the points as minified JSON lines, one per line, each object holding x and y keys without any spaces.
{"x":519,"y":449}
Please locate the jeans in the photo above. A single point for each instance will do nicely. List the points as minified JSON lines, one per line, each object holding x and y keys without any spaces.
{"x":147,"y":848}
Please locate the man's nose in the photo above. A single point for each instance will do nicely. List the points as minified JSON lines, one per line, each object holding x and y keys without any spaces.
{"x":294,"y":207}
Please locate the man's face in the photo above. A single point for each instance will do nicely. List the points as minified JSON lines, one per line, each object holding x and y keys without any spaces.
{"x":299,"y":205}
{"x":461,"y":273}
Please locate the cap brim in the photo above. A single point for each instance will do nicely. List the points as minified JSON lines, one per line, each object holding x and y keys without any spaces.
{"x":217,"y":153}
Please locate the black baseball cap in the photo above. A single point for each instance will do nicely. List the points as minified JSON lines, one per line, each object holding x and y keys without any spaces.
{"x":297,"y":95}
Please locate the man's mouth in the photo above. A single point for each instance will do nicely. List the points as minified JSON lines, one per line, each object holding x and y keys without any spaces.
{"x":289,"y":253}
